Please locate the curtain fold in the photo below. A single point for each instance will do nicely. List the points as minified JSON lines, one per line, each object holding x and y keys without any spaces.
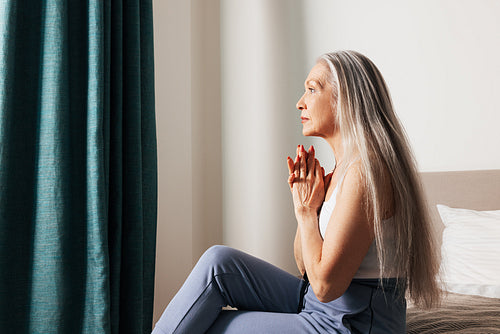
{"x":78,"y":178}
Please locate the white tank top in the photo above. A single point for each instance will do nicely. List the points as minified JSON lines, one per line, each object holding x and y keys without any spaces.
{"x":369,"y":268}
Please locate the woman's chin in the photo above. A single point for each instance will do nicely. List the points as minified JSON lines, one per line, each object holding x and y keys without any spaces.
{"x":307,"y":132}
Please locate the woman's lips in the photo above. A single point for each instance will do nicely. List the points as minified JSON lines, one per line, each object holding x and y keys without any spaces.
{"x":304,"y":119}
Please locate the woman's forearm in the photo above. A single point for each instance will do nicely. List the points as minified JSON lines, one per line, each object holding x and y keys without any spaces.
{"x":311,"y":246}
{"x":297,"y":250}
{"x":311,"y":243}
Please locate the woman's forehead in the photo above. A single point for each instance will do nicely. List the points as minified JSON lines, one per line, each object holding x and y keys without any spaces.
{"x":319,"y":73}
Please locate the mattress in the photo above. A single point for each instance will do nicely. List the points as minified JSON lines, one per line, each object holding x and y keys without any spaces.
{"x":458,"y":314}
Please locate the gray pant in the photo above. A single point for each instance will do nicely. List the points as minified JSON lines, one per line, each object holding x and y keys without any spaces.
{"x":270,"y":300}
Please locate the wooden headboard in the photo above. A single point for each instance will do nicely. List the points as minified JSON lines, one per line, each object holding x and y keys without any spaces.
{"x":476,"y":190}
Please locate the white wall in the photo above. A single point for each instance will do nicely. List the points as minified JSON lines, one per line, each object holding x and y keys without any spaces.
{"x":261,"y":76}
{"x":438,"y":57}
{"x":225,"y":102}
{"x":440,"y":60}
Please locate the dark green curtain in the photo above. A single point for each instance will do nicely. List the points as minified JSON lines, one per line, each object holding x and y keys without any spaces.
{"x":78,"y":178}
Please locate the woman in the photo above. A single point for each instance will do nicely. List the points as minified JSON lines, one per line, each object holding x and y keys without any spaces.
{"x":363,"y":237}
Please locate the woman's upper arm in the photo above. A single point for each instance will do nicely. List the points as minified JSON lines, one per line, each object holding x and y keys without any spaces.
{"x":348,"y":235}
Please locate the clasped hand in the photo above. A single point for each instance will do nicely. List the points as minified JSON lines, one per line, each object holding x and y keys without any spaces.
{"x":307,"y":182}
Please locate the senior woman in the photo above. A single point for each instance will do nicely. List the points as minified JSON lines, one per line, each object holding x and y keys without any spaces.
{"x":363,"y":239}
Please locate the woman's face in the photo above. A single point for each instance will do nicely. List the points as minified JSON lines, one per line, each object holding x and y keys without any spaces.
{"x":317,"y":114}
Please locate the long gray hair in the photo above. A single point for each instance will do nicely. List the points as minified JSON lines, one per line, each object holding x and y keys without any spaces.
{"x":372,"y":132}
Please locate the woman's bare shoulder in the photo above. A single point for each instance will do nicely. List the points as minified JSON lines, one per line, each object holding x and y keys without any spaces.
{"x":357,"y":184}
{"x":353,"y":188}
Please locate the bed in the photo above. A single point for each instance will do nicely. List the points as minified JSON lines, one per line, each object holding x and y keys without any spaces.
{"x":467,"y":228}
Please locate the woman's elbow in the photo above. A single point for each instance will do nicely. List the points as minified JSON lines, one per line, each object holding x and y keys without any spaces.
{"x":327,"y":297}
{"x":327,"y":292}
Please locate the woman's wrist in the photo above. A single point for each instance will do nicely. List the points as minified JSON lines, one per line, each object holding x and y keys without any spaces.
{"x":306,"y":215}
{"x":305,"y":212}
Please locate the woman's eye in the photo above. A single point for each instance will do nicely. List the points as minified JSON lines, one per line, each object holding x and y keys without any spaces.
{"x":312,"y":90}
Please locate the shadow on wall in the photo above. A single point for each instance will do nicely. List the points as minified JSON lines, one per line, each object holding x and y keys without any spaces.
{"x":228,"y":75}
{"x":263,"y":70}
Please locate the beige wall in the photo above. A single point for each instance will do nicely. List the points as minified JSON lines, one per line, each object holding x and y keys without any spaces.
{"x":262,"y":74}
{"x":173,"y":115}
{"x":187,"y":68}
{"x":228,"y":74}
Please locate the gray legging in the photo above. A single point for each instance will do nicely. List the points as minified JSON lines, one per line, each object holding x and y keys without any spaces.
{"x":270,"y":300}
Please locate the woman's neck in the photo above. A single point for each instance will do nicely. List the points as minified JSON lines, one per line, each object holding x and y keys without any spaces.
{"x":335,"y":143}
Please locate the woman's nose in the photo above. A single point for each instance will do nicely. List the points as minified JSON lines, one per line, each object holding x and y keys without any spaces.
{"x":300,"y":104}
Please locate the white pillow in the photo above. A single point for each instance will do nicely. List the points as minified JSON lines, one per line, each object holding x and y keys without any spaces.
{"x":471,"y":251}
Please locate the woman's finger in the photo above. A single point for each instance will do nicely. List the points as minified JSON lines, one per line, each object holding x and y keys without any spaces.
{"x":311,"y":168}
{"x":318,"y":171}
{"x":311,"y":162}
{"x":303,"y":166}
{"x":296,"y":167}
{"x":291,"y":178}
{"x":290,"y":164}
{"x":301,"y":150}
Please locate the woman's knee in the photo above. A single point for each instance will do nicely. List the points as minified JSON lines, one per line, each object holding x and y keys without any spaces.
{"x":218,"y":255}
